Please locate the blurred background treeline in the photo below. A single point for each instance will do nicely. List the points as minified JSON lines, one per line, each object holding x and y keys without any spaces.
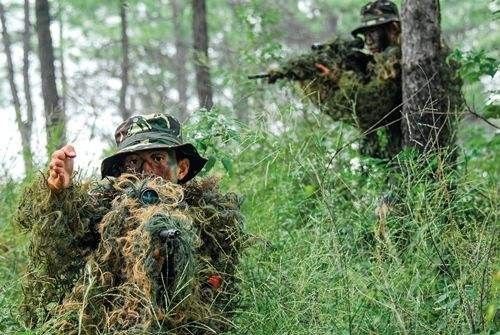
{"x":116,"y":58}
{"x":323,"y":261}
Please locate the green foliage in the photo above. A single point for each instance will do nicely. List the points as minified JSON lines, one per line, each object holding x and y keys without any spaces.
{"x":475,"y":64}
{"x":325,"y":263}
{"x":12,"y":259}
{"x":213,"y":134}
{"x":322,"y":260}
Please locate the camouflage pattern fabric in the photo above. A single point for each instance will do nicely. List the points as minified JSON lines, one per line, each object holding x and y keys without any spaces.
{"x":377,"y":13}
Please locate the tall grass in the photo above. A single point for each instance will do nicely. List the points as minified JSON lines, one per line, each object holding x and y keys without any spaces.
{"x":327,"y":263}
{"x":345,"y":246}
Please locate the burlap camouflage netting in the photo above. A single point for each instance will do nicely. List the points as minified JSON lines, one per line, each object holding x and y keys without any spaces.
{"x":368,"y":100}
{"x":371,"y":100}
{"x":131,"y":256}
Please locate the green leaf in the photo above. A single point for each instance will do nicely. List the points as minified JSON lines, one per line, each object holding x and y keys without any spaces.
{"x":228,"y":165}
{"x":492,"y":112}
{"x":309,"y":190}
{"x":210,"y":163}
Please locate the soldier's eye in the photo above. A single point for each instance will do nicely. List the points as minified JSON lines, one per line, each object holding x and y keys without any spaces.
{"x":132,"y":162}
{"x":158,"y":158}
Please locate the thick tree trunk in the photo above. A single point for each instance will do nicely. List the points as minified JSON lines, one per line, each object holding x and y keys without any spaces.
{"x":180,"y":58}
{"x":200,"y":36}
{"x":55,"y":119}
{"x":24,"y":127}
{"x":124,"y":112}
{"x":425,"y":108}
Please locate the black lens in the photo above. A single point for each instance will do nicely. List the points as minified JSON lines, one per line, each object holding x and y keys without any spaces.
{"x":149,"y":197}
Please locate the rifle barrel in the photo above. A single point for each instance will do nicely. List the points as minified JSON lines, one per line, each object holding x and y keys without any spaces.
{"x":259,"y":76}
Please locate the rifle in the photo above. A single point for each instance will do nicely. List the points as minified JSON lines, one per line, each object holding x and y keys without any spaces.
{"x":340,"y":53}
{"x":170,"y":239}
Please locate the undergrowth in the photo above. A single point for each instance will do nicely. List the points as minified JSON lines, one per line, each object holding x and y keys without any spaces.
{"x":344,"y":245}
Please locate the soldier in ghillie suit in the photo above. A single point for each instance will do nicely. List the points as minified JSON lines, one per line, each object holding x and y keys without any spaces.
{"x":147,"y":249}
{"x":359,"y":81}
{"x":370,"y":100}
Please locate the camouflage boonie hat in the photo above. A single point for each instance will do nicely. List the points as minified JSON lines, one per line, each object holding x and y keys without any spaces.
{"x":377,"y":13}
{"x":146,"y":132}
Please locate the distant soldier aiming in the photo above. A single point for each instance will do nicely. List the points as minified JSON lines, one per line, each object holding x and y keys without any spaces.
{"x":358,"y":81}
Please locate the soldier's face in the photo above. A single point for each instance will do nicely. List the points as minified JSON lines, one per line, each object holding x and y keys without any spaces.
{"x":156,"y":163}
{"x":376,"y":39}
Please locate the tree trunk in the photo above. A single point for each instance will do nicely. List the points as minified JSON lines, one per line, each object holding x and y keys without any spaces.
{"x":64,"y":81}
{"x":55,"y":119}
{"x":124,"y":112}
{"x":425,"y":109}
{"x":180,"y":58}
{"x":200,"y":37}
{"x":24,"y":128}
{"x":26,"y":66}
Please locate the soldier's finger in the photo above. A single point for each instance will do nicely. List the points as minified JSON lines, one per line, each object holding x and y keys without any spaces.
{"x":58,"y":170}
{"x":59,"y":154}
{"x":56,"y":162}
{"x":69,"y":151}
{"x":53,"y":174}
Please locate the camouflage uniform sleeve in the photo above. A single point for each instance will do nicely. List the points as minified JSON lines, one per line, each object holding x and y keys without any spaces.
{"x":61,"y":235}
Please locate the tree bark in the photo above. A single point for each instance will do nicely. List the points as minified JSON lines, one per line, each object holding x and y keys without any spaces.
{"x":425,"y":108}
{"x":55,"y":118}
{"x":180,"y":58}
{"x":24,"y":127}
{"x":124,"y":112}
{"x":200,"y":37}
{"x":64,"y":81}
{"x":26,"y":65}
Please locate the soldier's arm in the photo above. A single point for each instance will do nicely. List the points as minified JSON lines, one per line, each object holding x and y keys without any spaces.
{"x":61,"y":233}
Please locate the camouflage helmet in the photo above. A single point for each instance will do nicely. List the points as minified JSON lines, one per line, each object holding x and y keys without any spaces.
{"x":377,"y":13}
{"x":146,"y":132}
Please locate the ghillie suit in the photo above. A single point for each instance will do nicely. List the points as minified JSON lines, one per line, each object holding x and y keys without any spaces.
{"x":373,"y":102}
{"x":370,"y":101}
{"x":361,"y":89}
{"x":131,"y":256}
{"x":340,"y":54}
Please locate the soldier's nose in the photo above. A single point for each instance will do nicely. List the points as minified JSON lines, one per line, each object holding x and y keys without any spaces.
{"x":147,"y":168}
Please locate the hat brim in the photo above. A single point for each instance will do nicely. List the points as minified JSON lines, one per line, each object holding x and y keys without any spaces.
{"x":111,"y":166}
{"x":365,"y":27}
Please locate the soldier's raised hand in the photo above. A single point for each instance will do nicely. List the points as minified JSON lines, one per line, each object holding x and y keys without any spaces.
{"x":61,"y":168}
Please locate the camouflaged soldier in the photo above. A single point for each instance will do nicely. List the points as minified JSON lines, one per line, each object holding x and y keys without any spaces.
{"x":146,"y":249}
{"x":372,"y":101}
{"x":149,"y":145}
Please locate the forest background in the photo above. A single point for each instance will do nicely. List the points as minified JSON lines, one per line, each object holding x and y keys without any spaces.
{"x":323,"y":261}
